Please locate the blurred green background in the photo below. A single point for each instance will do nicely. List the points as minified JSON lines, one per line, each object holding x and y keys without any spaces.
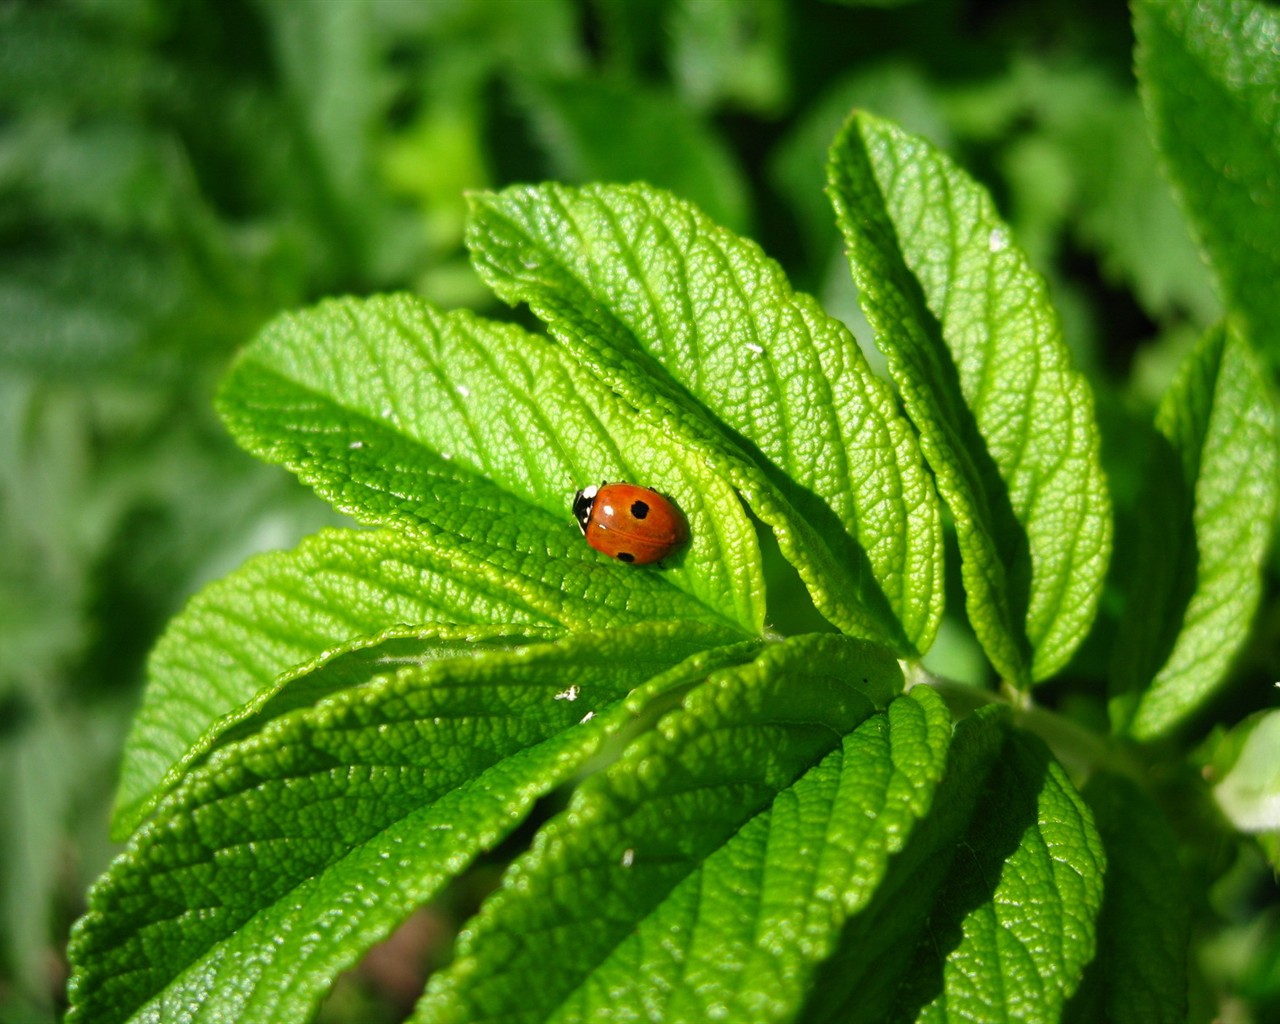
{"x":174,"y":172}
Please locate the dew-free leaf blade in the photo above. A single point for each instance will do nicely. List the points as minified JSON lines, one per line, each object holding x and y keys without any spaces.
{"x":702,"y":333}
{"x":1017,"y":917}
{"x":707,"y":871}
{"x":1216,"y":469}
{"x":278,"y":862}
{"x":480,"y":432}
{"x":282,"y":609}
{"x":1210,"y":77}
{"x":977,"y":353}
{"x":997,"y":893}
{"x":1139,"y":975}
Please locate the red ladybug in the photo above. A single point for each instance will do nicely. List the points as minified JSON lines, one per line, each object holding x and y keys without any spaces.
{"x":632,"y":524}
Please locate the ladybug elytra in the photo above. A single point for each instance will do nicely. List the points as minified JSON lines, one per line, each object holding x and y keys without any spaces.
{"x":630,"y":523}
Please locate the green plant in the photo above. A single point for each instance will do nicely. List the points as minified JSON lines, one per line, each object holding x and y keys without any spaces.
{"x":770,"y":813}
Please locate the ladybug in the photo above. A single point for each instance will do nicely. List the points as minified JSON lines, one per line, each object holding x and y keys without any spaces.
{"x":632,"y":524}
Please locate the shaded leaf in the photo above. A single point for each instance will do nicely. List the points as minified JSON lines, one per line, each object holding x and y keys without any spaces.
{"x":478,"y":434}
{"x":1139,"y":975}
{"x":276,"y":864}
{"x":701,"y":333}
{"x":1210,"y":76}
{"x":1211,"y":495}
{"x":976,"y":351}
{"x":706,"y":872}
{"x":997,"y":893}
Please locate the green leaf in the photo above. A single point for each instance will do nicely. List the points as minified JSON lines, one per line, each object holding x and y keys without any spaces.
{"x":1211,"y":495}
{"x":997,"y":894}
{"x":279,"y":862}
{"x":477,"y":435}
{"x":279,"y":611}
{"x":1022,"y":899}
{"x":1210,"y":77}
{"x":977,"y":353}
{"x":1139,"y":975}
{"x":707,"y":872}
{"x":357,"y":661}
{"x":702,"y":335}
{"x":275,"y":612}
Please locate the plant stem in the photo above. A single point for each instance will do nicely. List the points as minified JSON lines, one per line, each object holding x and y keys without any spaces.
{"x":1080,"y":750}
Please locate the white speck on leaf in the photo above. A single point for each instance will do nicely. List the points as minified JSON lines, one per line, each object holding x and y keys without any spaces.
{"x":753,"y":347}
{"x":356,"y":444}
{"x":998,"y":240}
{"x":569,"y":694}
{"x":587,"y":717}
{"x":464,"y":391}
{"x":628,"y":857}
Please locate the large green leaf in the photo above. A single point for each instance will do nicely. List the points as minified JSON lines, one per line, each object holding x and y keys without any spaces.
{"x":977,"y":353}
{"x":1016,"y":921}
{"x":471,"y":437}
{"x":990,"y":911}
{"x":1210,"y":76}
{"x":701,"y":333}
{"x":1211,"y":494}
{"x":478,"y":434}
{"x":276,"y":864}
{"x":242,"y":634}
{"x":1139,"y":975}
{"x":709,"y":870}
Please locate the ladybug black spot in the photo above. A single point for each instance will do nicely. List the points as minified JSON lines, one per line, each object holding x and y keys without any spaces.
{"x":639,"y":509}
{"x":626,"y":556}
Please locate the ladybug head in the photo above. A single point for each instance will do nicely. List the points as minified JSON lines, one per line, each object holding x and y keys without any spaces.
{"x":582,"y":502}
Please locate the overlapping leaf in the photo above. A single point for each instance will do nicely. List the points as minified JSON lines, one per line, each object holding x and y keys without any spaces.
{"x":480,"y":433}
{"x":282,"y":610}
{"x":279,"y":611}
{"x":333,"y":733}
{"x":1211,"y":495}
{"x":277,"y":863}
{"x":976,"y":351}
{"x":700,"y":332}
{"x":997,"y":894}
{"x":471,"y":437}
{"x":1139,"y":975}
{"x":709,"y":870}
{"x":1210,"y":75}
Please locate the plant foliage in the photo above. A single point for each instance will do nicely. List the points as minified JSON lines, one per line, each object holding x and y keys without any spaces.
{"x":729,"y":819}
